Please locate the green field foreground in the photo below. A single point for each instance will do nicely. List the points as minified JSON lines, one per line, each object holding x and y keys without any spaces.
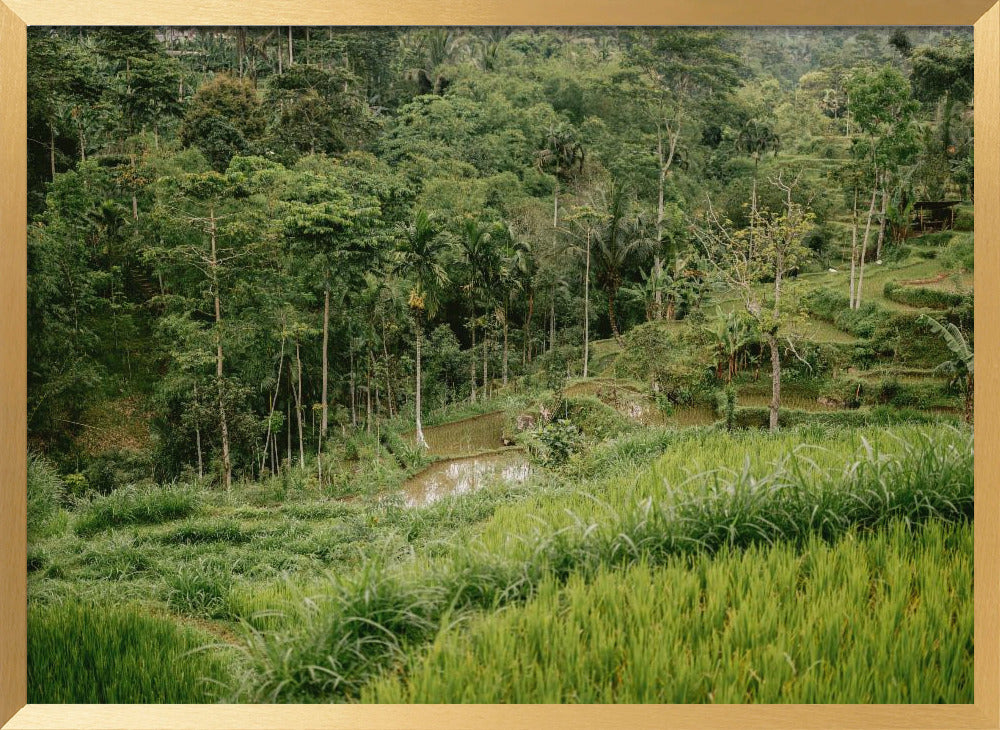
{"x":688,"y":565}
{"x":879,"y":618}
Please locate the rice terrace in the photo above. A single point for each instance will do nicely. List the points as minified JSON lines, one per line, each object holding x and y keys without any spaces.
{"x":500,"y":365}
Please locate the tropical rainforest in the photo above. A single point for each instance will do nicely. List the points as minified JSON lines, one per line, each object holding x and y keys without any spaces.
{"x":500,"y":364}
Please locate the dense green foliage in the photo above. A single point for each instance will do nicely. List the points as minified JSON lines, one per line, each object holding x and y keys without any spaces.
{"x":393,"y":357}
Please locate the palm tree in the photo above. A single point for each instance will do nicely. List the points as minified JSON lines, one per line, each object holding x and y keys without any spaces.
{"x":619,"y":238}
{"x":418,"y":254}
{"x":561,"y":151}
{"x":756,"y":138}
{"x":962,"y":366}
{"x":479,"y":251}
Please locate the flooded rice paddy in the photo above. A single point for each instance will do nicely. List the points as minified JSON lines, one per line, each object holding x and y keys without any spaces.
{"x":460,"y":476}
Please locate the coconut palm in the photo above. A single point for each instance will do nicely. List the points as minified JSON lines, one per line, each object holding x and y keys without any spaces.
{"x":621,"y":236}
{"x":418,"y":254}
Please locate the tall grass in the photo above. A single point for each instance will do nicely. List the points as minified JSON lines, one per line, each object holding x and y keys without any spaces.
{"x":45,"y":493}
{"x":83,"y":653}
{"x":357,"y":626}
{"x":883,"y":618}
{"x":135,"y":506}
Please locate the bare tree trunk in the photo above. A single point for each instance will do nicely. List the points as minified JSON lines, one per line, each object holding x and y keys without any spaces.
{"x":882,"y":215}
{"x":368,"y":400}
{"x":552,"y":320}
{"x":197,"y":437}
{"x":486,"y":360}
{"x":388,"y":371}
{"x":772,"y":341}
{"x":291,"y":60}
{"x":611,"y":316}
{"x":657,"y":264}
{"x":421,"y":441}
{"x":223,"y":425}
{"x":280,"y":52}
{"x":864,"y":251}
{"x":854,"y":247}
{"x":52,"y":151}
{"x":298,"y":406}
{"x":274,"y":402}
{"x":506,"y":309}
{"x":526,"y":358}
{"x":472,"y":354}
{"x":586,"y":307}
{"x":354,"y":409}
{"x":326,"y":353}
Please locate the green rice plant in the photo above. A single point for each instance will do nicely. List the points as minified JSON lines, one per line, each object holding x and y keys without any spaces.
{"x":105,"y":653}
{"x":200,"y":588}
{"x":873,"y":618}
{"x":135,"y":506}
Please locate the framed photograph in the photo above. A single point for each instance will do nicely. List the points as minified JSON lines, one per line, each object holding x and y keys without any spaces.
{"x":500,"y":365}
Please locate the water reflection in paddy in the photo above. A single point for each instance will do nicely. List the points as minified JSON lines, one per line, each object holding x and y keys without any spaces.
{"x":459,"y":476}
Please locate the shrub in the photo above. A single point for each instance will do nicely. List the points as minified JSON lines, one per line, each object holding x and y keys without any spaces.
{"x":552,"y":443}
{"x":965,"y":218}
{"x":960,"y":254}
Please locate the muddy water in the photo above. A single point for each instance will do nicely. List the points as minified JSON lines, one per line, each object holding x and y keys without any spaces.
{"x":459,"y":476}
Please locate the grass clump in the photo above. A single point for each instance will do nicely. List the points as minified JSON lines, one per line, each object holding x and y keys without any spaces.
{"x":118,"y":557}
{"x":45,"y":493}
{"x":87,"y":653}
{"x":208,"y":531}
{"x":200,"y":589}
{"x":135,"y":506}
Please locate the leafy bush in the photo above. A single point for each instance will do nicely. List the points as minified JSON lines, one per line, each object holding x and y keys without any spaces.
{"x":675,"y":364}
{"x":960,"y":255}
{"x":552,"y":443}
{"x":965,"y":218}
{"x":135,"y":506}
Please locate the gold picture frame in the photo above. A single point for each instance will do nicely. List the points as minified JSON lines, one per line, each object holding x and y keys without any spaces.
{"x":16,"y":15}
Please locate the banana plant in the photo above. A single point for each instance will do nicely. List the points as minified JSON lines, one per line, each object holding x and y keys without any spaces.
{"x":962,"y":366}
